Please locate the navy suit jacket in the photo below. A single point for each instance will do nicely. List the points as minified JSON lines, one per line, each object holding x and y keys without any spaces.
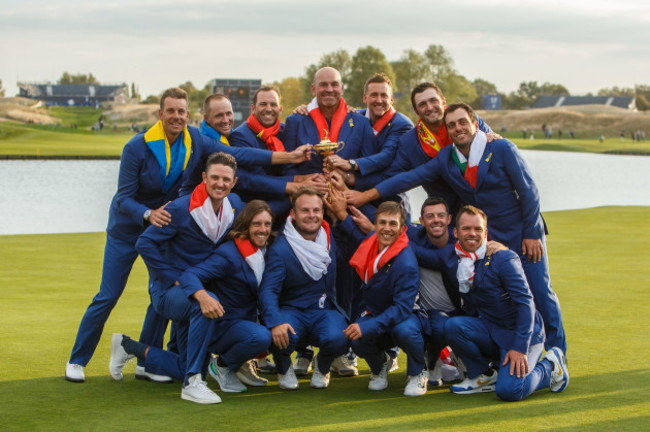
{"x":355,"y":132}
{"x":227,"y":274}
{"x":505,"y":190}
{"x":171,"y":249}
{"x":502,"y":299}
{"x":286,"y":285}
{"x":390,"y":295}
{"x":265,"y":181}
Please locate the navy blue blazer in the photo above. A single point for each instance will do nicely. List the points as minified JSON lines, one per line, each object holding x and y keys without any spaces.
{"x":267,"y":181}
{"x":355,"y":132}
{"x":171,"y":249}
{"x":286,"y":285}
{"x":505,"y":190}
{"x":502,"y":299}
{"x":390,"y":295}
{"x":139,"y":187}
{"x":225,"y":273}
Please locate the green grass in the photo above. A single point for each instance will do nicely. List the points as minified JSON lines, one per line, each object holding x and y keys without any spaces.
{"x":599,"y":260}
{"x":18,"y":139}
{"x":38,"y":140}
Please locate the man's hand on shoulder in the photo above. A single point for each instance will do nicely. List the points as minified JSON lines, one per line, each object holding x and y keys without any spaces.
{"x":160,"y":217}
{"x":494,"y":247}
{"x":493,"y":136}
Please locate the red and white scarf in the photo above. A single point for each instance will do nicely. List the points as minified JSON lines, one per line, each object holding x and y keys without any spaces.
{"x":268,"y":135}
{"x":212,"y":225}
{"x":383,"y":121}
{"x":475,"y":154}
{"x":367,"y":260}
{"x":431,"y":142}
{"x":321,"y":123}
{"x":314,"y":256}
{"x":465,"y":272}
{"x":253,"y":256}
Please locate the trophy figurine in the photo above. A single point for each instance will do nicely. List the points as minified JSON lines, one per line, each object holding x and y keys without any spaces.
{"x":327,"y":148}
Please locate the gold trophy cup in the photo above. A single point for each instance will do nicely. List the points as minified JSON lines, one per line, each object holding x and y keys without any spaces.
{"x":327,"y":148}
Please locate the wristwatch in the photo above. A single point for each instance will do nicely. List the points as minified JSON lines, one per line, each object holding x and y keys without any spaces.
{"x":147,"y":214}
{"x":353,"y":165}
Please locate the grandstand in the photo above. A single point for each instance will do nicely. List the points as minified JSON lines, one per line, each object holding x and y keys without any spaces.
{"x":240,"y":92}
{"x":74,"y":94}
{"x":547,"y":101}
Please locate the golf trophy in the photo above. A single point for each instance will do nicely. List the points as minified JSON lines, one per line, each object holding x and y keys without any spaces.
{"x":327,"y":148}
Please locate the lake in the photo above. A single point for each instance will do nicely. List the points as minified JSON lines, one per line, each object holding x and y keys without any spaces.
{"x":59,"y":196}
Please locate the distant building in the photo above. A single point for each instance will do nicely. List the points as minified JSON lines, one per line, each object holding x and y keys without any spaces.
{"x":240,"y":92}
{"x":491,"y":102}
{"x":546,"y":101}
{"x":74,"y":94}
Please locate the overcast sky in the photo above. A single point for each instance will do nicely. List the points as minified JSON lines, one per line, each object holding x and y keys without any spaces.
{"x":584,"y":45}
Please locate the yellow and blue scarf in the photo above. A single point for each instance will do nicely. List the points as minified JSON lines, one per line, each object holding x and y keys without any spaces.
{"x":211,"y":132}
{"x":172,"y":159}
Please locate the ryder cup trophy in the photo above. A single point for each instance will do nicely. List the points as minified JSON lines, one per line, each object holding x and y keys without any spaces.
{"x":327,"y":148}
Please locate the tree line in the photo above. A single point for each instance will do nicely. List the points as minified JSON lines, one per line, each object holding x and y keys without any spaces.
{"x":434,"y":64}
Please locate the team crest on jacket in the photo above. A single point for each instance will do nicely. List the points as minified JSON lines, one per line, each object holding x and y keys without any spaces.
{"x":351,"y":123}
{"x":489,"y":157}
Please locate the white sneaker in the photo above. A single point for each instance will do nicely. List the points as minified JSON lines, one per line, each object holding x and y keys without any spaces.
{"x":302,"y":366}
{"x":392,"y":364}
{"x":288,"y":381}
{"x":74,"y":372}
{"x":119,"y":357}
{"x":343,"y":366}
{"x":227,"y":379}
{"x":480,"y":384}
{"x":141,"y":373}
{"x":318,"y":380}
{"x":264,"y":365}
{"x":197,"y":391}
{"x":417,"y":385}
{"x":380,"y":382}
{"x":560,"y":374}
{"x":249,"y":376}
{"x":435,"y":375}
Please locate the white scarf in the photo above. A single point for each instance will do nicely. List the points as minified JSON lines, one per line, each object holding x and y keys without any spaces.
{"x":314,"y":255}
{"x":212,"y":226}
{"x":466,"y":260}
{"x":475,"y":151}
{"x":256,"y":263}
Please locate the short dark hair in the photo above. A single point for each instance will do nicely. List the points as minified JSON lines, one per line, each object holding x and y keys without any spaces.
{"x":471,"y":210}
{"x":264,"y":89}
{"x":240,"y":228}
{"x":304,"y":190}
{"x":455,"y":107}
{"x":433,"y":200}
{"x":216,"y":96}
{"x":221,"y":158}
{"x":392,"y":207}
{"x":174,"y":93}
{"x":422,"y":87}
{"x":377,"y":78}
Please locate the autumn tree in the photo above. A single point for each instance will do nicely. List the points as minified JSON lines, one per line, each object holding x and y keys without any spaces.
{"x":367,"y":61}
{"x":292,"y":92}
{"x":339,"y":60}
{"x":67,"y":78}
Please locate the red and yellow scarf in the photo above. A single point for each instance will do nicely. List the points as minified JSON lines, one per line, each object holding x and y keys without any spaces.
{"x":383,"y":121}
{"x":268,"y":135}
{"x":321,"y":123}
{"x":367,"y":260}
{"x":432,"y":143}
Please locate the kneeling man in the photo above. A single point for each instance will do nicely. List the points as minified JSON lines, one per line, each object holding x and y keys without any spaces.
{"x":505,"y":327}
{"x":298,"y":293}
{"x":390,"y":274}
